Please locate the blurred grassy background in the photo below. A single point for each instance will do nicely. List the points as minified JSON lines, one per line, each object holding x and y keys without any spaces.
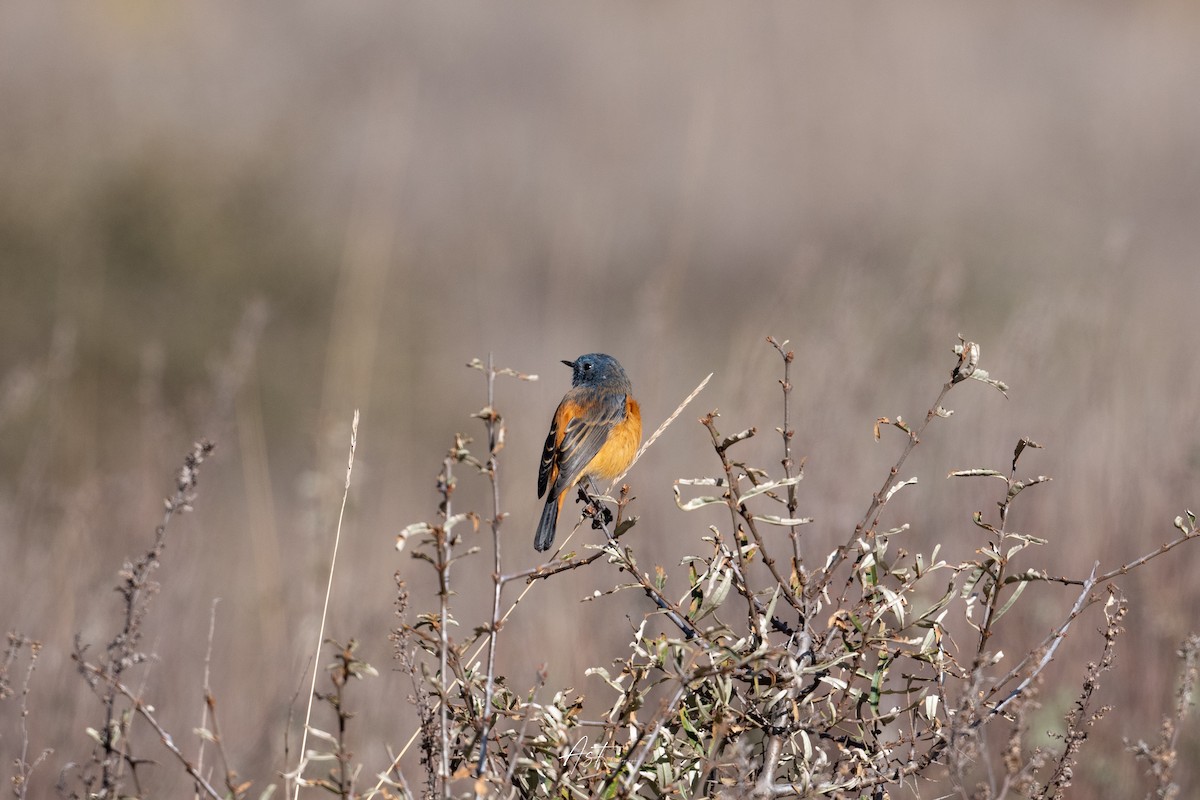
{"x":245,"y":220}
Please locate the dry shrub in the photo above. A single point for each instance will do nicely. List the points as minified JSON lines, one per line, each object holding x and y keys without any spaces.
{"x":770,"y":671}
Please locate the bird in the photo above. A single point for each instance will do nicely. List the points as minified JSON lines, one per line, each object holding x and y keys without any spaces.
{"x":595,"y":433}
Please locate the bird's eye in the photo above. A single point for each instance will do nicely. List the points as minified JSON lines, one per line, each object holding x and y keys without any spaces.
{"x":587,"y":367}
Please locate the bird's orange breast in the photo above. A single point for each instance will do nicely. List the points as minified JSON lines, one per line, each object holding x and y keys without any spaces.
{"x":623,"y":441}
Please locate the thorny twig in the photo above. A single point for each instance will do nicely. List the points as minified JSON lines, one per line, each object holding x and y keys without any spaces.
{"x":142,"y":710}
{"x":24,"y":767}
{"x":495,"y":435}
{"x":121,"y":653}
{"x":787,"y":434}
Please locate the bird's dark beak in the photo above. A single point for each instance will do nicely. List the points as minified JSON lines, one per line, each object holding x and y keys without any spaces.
{"x":570,"y":364}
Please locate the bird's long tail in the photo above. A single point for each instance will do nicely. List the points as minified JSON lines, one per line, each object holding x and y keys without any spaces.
{"x":545,"y":529}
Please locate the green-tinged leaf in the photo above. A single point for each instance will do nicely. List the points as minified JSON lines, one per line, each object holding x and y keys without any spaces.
{"x":755,"y":474}
{"x":1027,"y":575}
{"x":877,"y":683}
{"x":624,"y":525}
{"x":769,"y":486}
{"x":895,"y":603}
{"x":977,"y":518}
{"x":772,"y":519}
{"x":870,"y":574}
{"x":696,"y":502}
{"x":320,"y":734}
{"x":1009,"y":603}
{"x":939,"y":605}
{"x":1020,"y":448}
{"x":660,"y":577}
{"x":1025,"y":541}
{"x":603,"y":673}
{"x":364,"y":670}
{"x":416,"y":527}
{"x":1017,"y":486}
{"x":316,"y":755}
{"x":898,"y":487}
{"x":971,"y":579}
{"x":969,"y":611}
{"x":879,"y":545}
{"x":770,"y":611}
{"x":977,"y":473}
{"x":454,"y":519}
{"x":735,"y":438}
{"x":686,"y":722}
{"x":700,"y":482}
{"x":724,"y":688}
{"x":719,"y":583}
{"x":983,"y":377}
{"x":836,"y":683}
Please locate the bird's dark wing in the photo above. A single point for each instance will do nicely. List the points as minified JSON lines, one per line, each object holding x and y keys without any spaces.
{"x":548,"y":470}
{"x":582,"y":424}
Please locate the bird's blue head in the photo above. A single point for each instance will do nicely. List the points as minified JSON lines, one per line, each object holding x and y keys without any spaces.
{"x":598,"y":370}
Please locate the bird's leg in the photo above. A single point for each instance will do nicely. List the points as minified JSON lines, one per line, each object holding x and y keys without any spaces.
{"x":601,"y":516}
